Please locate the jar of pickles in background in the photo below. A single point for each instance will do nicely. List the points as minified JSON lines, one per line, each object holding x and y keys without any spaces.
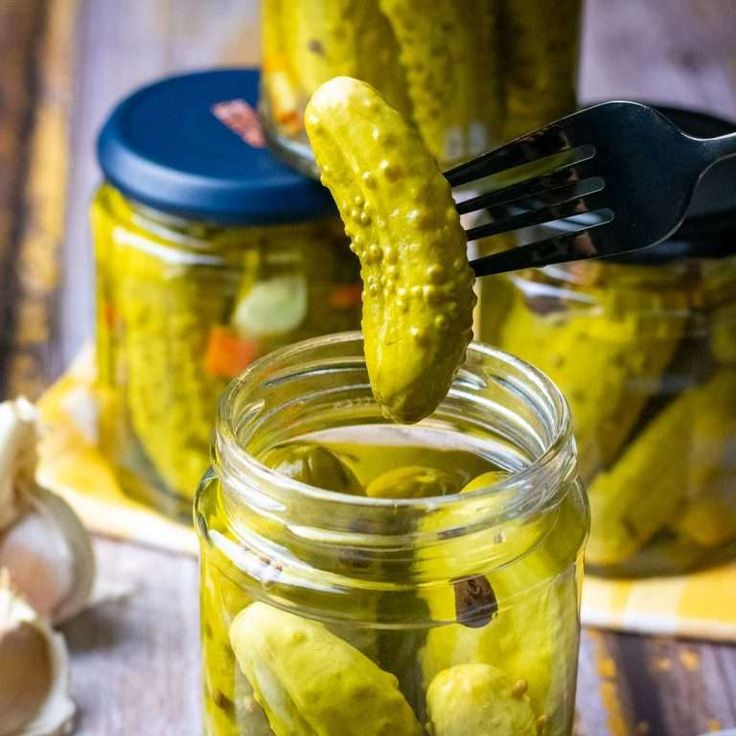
{"x":361,"y":577}
{"x":644,"y":349}
{"x":210,"y":253}
{"x":469,"y":74}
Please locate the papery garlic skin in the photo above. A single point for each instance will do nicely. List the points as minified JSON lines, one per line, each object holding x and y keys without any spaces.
{"x":34,"y":672}
{"x":43,"y":545}
{"x":18,"y":455}
{"x":50,"y":558}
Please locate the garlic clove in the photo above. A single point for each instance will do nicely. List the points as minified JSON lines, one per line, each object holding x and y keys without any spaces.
{"x":18,"y":457}
{"x":49,"y":556}
{"x":34,"y":672}
{"x":43,"y":545}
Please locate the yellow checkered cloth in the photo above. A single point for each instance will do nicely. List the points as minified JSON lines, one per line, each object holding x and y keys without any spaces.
{"x":700,"y":605}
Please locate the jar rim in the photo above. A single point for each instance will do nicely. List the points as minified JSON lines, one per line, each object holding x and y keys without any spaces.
{"x":226,"y":437}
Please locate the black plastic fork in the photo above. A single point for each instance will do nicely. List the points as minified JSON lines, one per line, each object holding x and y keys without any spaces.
{"x":614,"y":177}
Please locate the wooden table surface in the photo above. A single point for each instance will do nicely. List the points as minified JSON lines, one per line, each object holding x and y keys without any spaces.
{"x":62,"y":64}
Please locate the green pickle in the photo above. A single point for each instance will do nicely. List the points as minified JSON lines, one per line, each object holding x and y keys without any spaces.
{"x":450,"y":53}
{"x":314,"y":465}
{"x":479,"y":699}
{"x":414,"y":481}
{"x":418,"y":286}
{"x":310,"y":681}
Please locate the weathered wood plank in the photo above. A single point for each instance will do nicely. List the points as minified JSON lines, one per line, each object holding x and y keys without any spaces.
{"x":41,"y":228}
{"x":20,"y":24}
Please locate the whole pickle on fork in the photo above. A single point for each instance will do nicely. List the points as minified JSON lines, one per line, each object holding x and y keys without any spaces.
{"x":400,"y":216}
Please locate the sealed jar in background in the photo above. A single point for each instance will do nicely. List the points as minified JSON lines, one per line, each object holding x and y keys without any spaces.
{"x":210,"y":253}
{"x":470,"y":74}
{"x":338,"y":598}
{"x":644,"y":349}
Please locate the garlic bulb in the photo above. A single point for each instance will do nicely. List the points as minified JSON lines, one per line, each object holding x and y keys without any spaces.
{"x":34,"y":672}
{"x":43,"y":545}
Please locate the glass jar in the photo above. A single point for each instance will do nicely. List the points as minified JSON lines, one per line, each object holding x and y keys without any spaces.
{"x":197,"y":277}
{"x":470,"y":74}
{"x":644,"y":350}
{"x":347,"y":614}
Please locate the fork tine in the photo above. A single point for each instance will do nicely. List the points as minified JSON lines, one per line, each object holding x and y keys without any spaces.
{"x":552,"y":189}
{"x":568,"y":206}
{"x":574,"y":246}
{"x":543,"y":142}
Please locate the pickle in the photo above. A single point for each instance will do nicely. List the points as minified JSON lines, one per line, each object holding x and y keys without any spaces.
{"x":228,"y":694}
{"x":539,"y":61}
{"x":310,"y":681}
{"x":723,"y":334}
{"x":606,"y":351}
{"x":481,"y":700}
{"x":486,"y":480}
{"x":710,"y":521}
{"x":399,"y":213}
{"x":450,"y":52}
{"x":313,"y":464}
{"x":307,"y":43}
{"x":676,"y":457}
{"x":414,"y":481}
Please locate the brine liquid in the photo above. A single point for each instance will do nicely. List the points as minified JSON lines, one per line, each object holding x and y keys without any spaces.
{"x":374,"y":449}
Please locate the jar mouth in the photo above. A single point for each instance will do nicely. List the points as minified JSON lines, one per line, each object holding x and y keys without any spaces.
{"x":555,"y":457}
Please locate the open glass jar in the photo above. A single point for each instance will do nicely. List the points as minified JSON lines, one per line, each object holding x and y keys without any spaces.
{"x":470,"y":74}
{"x":210,"y":253}
{"x":644,"y":350}
{"x":341,"y":614}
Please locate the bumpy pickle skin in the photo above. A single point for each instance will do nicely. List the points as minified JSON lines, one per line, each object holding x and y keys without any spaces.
{"x":450,"y":52}
{"x":666,"y":466}
{"x":307,"y":43}
{"x":399,"y":214}
{"x":313,"y":464}
{"x":311,"y":682}
{"x":413,"y":481}
{"x":481,"y":700}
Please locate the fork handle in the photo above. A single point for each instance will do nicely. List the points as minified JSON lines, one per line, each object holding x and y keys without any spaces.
{"x":718,"y":149}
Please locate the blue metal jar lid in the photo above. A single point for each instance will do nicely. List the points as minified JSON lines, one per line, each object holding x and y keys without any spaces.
{"x":192,"y":145}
